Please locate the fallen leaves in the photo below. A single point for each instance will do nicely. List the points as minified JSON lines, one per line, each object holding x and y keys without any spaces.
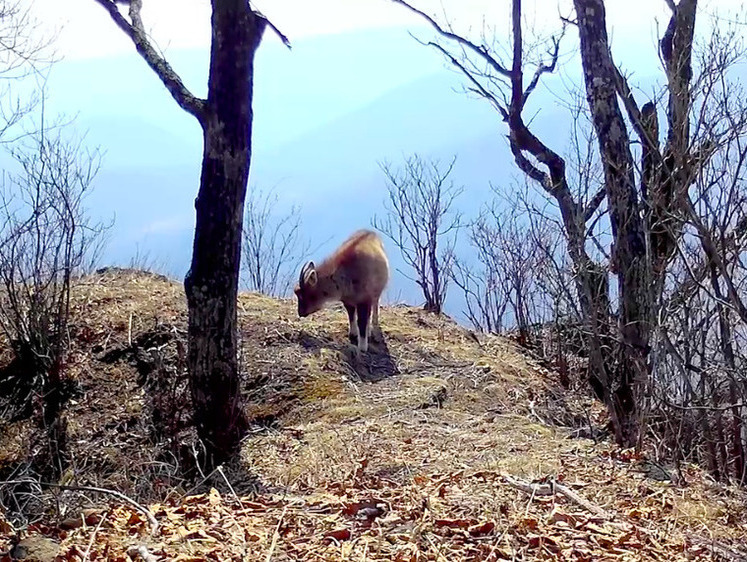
{"x":414,"y":522}
{"x":339,"y":535}
{"x":361,"y":471}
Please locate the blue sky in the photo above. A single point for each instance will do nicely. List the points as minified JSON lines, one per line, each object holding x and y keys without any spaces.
{"x":355,"y":90}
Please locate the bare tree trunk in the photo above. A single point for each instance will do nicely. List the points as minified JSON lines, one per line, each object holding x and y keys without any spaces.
{"x":740,"y":462}
{"x":710,"y":453}
{"x":725,"y":334}
{"x":627,"y":227}
{"x":721,"y":441}
{"x":212,"y":282}
{"x":435,"y":305}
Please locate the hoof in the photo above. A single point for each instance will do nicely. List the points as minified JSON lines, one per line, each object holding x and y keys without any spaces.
{"x":353,"y":338}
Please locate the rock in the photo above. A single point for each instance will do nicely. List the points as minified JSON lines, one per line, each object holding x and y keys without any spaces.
{"x":35,"y":549}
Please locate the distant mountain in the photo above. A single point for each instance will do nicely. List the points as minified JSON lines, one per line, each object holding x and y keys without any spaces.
{"x":326,"y":114}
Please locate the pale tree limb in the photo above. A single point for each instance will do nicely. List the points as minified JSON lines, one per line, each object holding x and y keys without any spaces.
{"x":87,"y":554}
{"x":142,"y":552}
{"x":135,"y":30}
{"x":276,"y":535}
{"x":551,"y":488}
{"x":120,"y":496}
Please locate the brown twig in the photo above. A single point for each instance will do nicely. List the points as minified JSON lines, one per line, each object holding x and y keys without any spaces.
{"x":276,"y":536}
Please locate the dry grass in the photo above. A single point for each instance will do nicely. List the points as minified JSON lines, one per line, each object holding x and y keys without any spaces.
{"x":398,"y":455}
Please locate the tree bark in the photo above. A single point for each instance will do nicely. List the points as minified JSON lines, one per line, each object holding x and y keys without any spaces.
{"x":646,"y":223}
{"x":727,"y":349}
{"x":627,"y":227}
{"x":212,"y":282}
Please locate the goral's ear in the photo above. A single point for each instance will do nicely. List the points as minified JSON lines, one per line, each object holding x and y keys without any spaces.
{"x":303,"y":279}
{"x":311,"y":278}
{"x":308,"y":275}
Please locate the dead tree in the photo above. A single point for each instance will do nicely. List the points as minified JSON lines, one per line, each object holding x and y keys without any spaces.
{"x":422,"y":224}
{"x":273,"y":249}
{"x":645,"y":210}
{"x":212,"y":282}
{"x":700,"y":390}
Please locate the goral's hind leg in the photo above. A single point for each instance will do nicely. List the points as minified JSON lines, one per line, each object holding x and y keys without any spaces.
{"x":353,"y":331}
{"x":364,"y":313}
{"x":375,"y":329}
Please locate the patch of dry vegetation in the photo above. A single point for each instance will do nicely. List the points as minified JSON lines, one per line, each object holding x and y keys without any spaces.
{"x":399,"y":455}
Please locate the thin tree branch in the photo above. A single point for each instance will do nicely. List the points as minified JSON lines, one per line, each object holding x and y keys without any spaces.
{"x":544,"y":68}
{"x":280,"y":34}
{"x":552,"y":488}
{"x":594,"y":203}
{"x":136,"y":32}
{"x":480,"y":50}
{"x":479,"y":88}
{"x":631,"y":107}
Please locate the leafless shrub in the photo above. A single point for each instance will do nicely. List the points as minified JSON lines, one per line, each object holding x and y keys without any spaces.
{"x":45,"y":239}
{"x":422,"y":223}
{"x":22,"y":497}
{"x":272,"y":246}
{"x":510,"y":270}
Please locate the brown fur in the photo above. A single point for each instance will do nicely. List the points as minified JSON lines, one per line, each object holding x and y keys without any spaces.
{"x":356,"y":274}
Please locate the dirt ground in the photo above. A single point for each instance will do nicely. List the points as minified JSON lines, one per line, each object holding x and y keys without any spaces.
{"x":437,"y":445}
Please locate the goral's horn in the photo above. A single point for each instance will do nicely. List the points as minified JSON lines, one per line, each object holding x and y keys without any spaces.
{"x":304,"y":270}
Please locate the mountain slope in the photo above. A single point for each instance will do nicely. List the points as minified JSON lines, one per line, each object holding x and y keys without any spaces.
{"x":437,"y":445}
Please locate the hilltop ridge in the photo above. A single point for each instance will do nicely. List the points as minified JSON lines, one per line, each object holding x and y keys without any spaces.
{"x":438,"y":445}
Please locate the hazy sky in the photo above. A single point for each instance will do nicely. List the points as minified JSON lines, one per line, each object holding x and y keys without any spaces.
{"x":326,"y":112}
{"x":85,"y":30}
